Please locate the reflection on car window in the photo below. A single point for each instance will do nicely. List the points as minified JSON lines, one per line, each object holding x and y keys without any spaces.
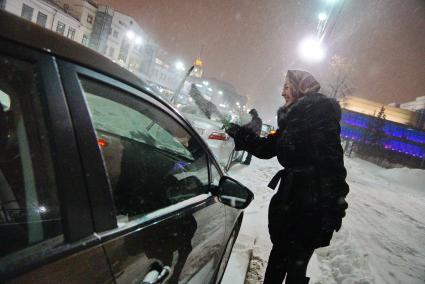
{"x":108,"y":117}
{"x":29,"y":209}
{"x":151,"y":160}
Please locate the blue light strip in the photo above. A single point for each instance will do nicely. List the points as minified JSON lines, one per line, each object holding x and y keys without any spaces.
{"x":390,"y":129}
{"x":353,"y":126}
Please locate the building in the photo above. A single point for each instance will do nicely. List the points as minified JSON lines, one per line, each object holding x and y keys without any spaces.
{"x":416,"y":105}
{"x":404,"y":139}
{"x":371,"y":108}
{"x":84,"y":11}
{"x":119,"y":37}
{"x":165,"y":75}
{"x":51,"y":15}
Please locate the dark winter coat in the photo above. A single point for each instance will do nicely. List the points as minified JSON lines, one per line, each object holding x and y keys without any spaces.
{"x":310,"y":202}
{"x":255,"y":125}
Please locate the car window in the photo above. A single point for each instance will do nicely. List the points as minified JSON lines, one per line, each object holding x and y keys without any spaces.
{"x":29,"y":209}
{"x":152,"y":161}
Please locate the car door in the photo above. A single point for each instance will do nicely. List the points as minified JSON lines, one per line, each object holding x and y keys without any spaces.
{"x":46,"y":231}
{"x":168,"y":224}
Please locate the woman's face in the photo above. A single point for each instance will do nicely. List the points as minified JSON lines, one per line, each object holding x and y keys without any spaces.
{"x":288,"y":94}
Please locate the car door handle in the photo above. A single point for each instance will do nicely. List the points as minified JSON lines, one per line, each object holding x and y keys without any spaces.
{"x":156,"y":276}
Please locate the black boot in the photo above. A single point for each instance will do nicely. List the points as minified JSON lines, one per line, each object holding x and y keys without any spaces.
{"x":247,"y":160}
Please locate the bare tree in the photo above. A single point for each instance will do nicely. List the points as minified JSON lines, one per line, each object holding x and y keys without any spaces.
{"x":339,"y":82}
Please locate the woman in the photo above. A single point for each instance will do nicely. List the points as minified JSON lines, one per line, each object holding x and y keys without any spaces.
{"x":310,"y":202}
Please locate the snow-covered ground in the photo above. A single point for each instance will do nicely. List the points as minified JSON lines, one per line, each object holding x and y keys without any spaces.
{"x":382,"y":239}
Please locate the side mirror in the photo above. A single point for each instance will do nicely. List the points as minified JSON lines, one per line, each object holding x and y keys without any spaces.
{"x":232,"y":193}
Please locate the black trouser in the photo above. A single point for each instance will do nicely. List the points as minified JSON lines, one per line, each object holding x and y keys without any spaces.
{"x":289,"y":262}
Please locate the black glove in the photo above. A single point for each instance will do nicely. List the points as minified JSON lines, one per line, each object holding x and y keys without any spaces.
{"x":232,"y":129}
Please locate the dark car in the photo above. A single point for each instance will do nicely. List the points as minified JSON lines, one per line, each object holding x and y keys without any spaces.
{"x":101,"y":181}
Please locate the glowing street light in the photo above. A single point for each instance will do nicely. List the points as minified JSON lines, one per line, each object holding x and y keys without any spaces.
{"x":322,"y":16}
{"x":210,"y":89}
{"x":206,"y":83}
{"x":180,"y":66}
{"x":42,"y":209}
{"x":220,"y":92}
{"x":311,"y":49}
{"x":138,"y":40}
{"x":130,"y":35}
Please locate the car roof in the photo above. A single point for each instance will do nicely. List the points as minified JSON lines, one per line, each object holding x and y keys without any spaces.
{"x":34,"y":36}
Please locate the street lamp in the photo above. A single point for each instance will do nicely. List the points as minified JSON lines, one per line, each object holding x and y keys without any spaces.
{"x":220,"y":92}
{"x":322,"y":16}
{"x":138,"y":40}
{"x":130,"y":35}
{"x":180,"y":66}
{"x":311,"y":49}
{"x":210,"y":89}
{"x":206,"y":83}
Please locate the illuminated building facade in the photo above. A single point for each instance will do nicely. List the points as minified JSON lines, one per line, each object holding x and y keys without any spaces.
{"x":403,"y":136}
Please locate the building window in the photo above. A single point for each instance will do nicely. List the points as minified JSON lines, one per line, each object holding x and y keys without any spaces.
{"x":111,"y":52}
{"x":125,"y":46}
{"x":89,"y":19}
{"x":41,"y":19}
{"x":60,"y":28}
{"x":85,"y":40}
{"x":115,"y":34}
{"x":71,"y":33}
{"x":27,"y":12}
{"x":2,"y":4}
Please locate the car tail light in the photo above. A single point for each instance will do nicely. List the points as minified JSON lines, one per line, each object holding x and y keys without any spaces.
{"x":218,"y":136}
{"x":102,"y":143}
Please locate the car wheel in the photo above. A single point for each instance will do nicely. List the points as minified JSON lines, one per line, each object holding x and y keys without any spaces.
{"x":228,"y":251}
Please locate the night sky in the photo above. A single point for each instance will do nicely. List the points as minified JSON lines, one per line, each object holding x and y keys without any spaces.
{"x":251,"y":43}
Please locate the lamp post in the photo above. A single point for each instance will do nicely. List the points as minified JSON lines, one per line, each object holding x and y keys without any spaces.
{"x":311,"y":49}
{"x":180,"y":86}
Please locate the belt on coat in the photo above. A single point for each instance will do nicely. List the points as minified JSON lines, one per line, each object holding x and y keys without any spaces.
{"x":287,"y":173}
{"x":286,"y":177}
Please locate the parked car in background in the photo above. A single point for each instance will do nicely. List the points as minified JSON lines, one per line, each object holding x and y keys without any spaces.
{"x":100,"y":180}
{"x":211,"y":130}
